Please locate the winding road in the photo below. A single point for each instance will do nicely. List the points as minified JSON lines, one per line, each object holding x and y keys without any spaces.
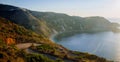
{"x":26,"y":46}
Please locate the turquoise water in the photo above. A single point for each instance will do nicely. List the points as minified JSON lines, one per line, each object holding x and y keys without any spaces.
{"x":104,"y":44}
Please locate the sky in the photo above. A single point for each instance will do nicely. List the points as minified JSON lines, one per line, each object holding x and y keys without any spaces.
{"x":83,"y":8}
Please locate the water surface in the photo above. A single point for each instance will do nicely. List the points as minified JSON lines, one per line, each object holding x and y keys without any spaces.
{"x":104,"y":44}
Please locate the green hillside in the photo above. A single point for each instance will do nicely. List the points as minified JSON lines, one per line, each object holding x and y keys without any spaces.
{"x":47,"y":51}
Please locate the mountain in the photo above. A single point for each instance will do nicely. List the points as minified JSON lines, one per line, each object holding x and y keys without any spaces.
{"x":49,"y":23}
{"x":65,"y":23}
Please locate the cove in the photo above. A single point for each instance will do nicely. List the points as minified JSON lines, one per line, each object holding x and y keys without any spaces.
{"x":103,"y":44}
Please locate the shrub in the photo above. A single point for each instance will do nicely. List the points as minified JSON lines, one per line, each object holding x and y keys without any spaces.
{"x":59,"y":60}
{"x":37,"y":58}
{"x":45,"y":48}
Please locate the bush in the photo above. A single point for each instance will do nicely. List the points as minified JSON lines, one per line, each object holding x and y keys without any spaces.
{"x":45,"y":48}
{"x":59,"y":60}
{"x":37,"y":58}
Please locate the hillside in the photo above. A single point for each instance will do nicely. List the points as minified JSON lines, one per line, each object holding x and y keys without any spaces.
{"x":9,"y":29}
{"x":46,"y":51}
{"x":22,"y":17}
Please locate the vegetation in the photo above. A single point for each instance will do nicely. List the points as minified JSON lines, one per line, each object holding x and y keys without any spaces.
{"x":37,"y":58}
{"x":49,"y":49}
{"x":46,"y":48}
{"x":66,"y":54}
{"x":9,"y":53}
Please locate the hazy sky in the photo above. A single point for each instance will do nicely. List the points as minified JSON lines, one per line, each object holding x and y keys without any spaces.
{"x":106,"y":8}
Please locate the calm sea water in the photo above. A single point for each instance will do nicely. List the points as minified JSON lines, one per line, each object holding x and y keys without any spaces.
{"x":104,"y":44}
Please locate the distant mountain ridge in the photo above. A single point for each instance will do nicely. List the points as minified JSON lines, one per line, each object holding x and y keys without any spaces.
{"x":116,"y":20}
{"x":48,"y":23}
